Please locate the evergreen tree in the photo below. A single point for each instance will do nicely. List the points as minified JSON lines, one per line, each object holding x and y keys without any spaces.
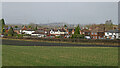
{"x":10,"y":32}
{"x":77,"y":33}
{"x":2,"y":25}
{"x":77,"y":30}
{"x":3,"y":22}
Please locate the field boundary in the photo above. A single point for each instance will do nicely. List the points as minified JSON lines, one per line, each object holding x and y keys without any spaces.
{"x":65,"y":42}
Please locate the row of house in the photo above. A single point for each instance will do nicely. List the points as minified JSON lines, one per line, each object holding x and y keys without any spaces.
{"x":99,"y":33}
{"x":90,"y":33}
{"x":44,"y":32}
{"x":94,"y":33}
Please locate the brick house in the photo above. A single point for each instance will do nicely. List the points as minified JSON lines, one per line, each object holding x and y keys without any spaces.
{"x":97,"y":33}
{"x":86,"y":32}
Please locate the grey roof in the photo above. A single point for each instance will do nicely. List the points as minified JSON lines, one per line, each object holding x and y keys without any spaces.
{"x":29,"y":30}
{"x":114,"y":31}
{"x":16,"y":28}
{"x":40,"y":31}
{"x":98,"y":30}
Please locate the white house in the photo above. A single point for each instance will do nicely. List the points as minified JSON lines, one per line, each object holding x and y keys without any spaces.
{"x":39,"y":33}
{"x":27,"y":31}
{"x":112,"y":34}
{"x":55,"y":32}
{"x":58,"y":32}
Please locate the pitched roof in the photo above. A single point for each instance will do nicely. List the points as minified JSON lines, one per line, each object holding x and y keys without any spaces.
{"x":62,"y":30}
{"x":29,"y":30}
{"x":54,"y":30}
{"x":16,"y":28}
{"x":85,"y":30}
{"x":40,"y":30}
{"x":98,"y":30}
{"x":24,"y":28}
{"x":114,"y":31}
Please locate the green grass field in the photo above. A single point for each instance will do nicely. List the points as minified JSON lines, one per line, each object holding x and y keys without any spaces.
{"x":59,"y":56}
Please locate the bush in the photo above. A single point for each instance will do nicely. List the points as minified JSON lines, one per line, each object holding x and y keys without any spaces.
{"x":57,"y":36}
{"x":19,"y":35}
{"x":78,"y":36}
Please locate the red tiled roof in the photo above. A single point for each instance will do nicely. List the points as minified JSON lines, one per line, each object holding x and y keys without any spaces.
{"x":24,"y":28}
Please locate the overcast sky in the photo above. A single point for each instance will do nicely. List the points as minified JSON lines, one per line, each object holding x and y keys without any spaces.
{"x":60,"y":0}
{"x":68,"y":12}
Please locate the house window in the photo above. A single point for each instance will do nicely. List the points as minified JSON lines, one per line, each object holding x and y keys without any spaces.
{"x":95,"y":33}
{"x":99,"y":37}
{"x":110,"y":35}
{"x":96,"y":37}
